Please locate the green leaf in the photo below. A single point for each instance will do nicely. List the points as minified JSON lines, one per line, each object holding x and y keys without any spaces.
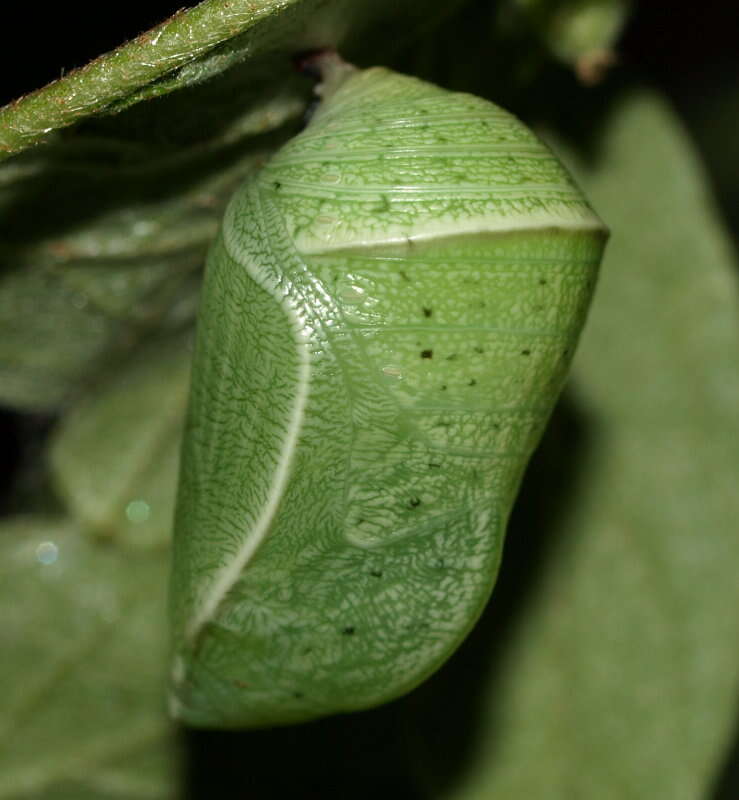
{"x":100,"y":250}
{"x":83,"y":638}
{"x":115,"y":456}
{"x":619,"y":679}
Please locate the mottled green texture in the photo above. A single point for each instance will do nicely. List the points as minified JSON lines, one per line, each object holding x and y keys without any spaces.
{"x":387,"y":319}
{"x":83,"y":642}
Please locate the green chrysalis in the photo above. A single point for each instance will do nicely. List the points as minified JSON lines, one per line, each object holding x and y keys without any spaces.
{"x":387,"y":319}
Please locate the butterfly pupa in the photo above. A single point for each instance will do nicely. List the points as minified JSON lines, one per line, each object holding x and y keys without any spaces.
{"x":387,"y":319}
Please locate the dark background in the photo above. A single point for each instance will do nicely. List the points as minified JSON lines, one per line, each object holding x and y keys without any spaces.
{"x":689,"y":52}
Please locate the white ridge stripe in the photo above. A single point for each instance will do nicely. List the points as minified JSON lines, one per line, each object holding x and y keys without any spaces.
{"x":228,"y":575}
{"x":399,"y":192}
{"x":417,"y":152}
{"x":581,"y":218}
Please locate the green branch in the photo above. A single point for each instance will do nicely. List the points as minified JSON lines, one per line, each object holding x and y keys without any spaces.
{"x":116,"y":76}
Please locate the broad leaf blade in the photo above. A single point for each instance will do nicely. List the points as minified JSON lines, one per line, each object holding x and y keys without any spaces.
{"x":99,"y":248}
{"x":84,"y":643}
{"x":115,"y":455}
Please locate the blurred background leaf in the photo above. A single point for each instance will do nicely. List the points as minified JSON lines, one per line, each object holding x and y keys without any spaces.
{"x":102,"y":241}
{"x":114,"y":458}
{"x":84,"y":643}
